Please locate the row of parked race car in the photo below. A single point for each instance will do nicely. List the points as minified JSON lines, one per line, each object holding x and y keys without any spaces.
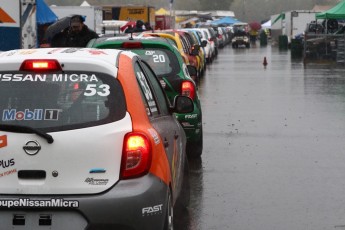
{"x":198,"y":46}
{"x":176,"y":56}
{"x":108,"y":128}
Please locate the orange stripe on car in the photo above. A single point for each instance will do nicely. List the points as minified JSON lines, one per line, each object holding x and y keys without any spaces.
{"x":160,"y":164}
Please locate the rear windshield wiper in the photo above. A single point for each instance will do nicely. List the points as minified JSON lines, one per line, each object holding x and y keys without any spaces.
{"x":26,"y":129}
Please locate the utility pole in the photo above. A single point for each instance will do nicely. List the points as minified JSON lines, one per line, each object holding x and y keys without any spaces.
{"x":172,"y":15}
{"x":244,"y":8}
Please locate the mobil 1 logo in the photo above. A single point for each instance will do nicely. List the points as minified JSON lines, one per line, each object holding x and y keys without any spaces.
{"x":51,"y":114}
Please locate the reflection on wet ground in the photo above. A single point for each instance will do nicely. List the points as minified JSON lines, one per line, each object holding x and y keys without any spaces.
{"x":273,"y":145}
{"x":183,"y":219}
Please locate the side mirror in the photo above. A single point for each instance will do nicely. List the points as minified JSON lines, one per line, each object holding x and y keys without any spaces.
{"x":183,"y":104}
{"x":203,"y":43}
{"x":192,"y":70}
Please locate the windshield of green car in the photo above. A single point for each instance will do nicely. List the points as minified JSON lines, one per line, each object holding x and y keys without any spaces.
{"x":163,"y":62}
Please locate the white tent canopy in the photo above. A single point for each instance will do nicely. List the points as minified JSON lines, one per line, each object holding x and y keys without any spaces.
{"x":266,"y":25}
{"x":85,"y":3}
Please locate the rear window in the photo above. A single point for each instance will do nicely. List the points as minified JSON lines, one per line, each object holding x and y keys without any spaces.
{"x":60,"y":101}
{"x":163,"y":62}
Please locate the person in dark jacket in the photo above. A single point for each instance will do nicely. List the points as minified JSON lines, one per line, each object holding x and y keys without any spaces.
{"x":139,"y":26}
{"x":76,"y":35}
{"x":148,"y":26}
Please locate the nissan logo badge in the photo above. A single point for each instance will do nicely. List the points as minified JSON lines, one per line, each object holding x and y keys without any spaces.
{"x":32,"y":147}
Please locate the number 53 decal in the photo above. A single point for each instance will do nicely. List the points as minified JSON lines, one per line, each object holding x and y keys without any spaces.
{"x":93,"y":89}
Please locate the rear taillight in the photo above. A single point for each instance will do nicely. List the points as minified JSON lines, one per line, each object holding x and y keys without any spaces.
{"x":188,"y":89}
{"x":40,"y":65}
{"x":136,"y":156}
{"x":220,"y":36}
{"x":132,"y":45}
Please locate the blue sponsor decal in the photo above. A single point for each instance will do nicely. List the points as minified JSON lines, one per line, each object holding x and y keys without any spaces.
{"x":29,"y":115}
{"x":13,"y":114}
{"x":97,"y":170}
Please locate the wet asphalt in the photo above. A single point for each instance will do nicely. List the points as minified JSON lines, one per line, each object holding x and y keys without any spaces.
{"x":274,"y":145}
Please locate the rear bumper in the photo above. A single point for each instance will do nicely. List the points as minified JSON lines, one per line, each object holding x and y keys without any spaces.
{"x":192,"y":125}
{"x":240,"y":42}
{"x":129,"y":205}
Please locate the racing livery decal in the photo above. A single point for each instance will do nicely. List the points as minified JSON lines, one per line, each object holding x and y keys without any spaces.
{"x":147,"y":92}
{"x":3,"y":141}
{"x":55,"y":50}
{"x":29,"y":115}
{"x":97,"y":52}
{"x":27,"y":52}
{"x":191,"y":116}
{"x":59,"y":203}
{"x":53,"y":77}
{"x":154,"y":210}
{"x":93,"y":181}
{"x":154,"y":135}
{"x":9,"y":53}
{"x":9,"y":172}
{"x":71,"y":50}
{"x":98,"y":170}
{"x":6,"y":163}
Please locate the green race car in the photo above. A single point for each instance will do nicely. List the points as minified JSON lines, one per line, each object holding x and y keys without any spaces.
{"x":174,"y":75}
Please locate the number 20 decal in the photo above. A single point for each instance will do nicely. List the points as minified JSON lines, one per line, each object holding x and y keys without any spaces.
{"x":93,"y":89}
{"x":158,"y":58}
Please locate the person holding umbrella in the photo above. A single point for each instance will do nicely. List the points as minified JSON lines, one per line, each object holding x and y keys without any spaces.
{"x":76,"y":35}
{"x":254,"y":30}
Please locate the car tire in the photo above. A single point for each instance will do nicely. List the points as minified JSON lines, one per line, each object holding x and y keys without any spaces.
{"x":194,"y":148}
{"x":169,"y":217}
{"x":203,"y":70}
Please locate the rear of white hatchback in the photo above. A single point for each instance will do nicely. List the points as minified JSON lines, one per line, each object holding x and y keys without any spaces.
{"x":64,"y":124}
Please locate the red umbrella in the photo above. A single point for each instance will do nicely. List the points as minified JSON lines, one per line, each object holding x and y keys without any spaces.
{"x":130,"y":23}
{"x":255,"y":25}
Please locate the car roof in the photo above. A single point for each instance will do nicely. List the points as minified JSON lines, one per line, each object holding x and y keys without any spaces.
{"x":130,"y":39}
{"x":193,"y":35}
{"x":193,"y":30}
{"x":77,"y":59}
{"x":147,"y":41}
